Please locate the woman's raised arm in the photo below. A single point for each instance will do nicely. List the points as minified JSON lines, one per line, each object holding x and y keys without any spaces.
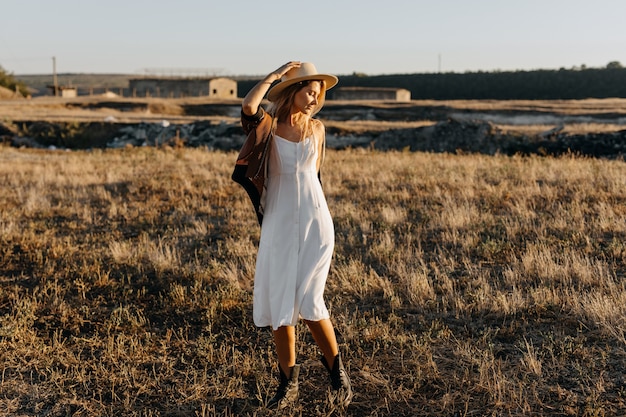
{"x":252,"y":100}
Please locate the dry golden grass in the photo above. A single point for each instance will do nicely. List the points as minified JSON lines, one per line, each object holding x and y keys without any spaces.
{"x":98,"y":108}
{"x":570,"y":128}
{"x":587,"y":106}
{"x":462,"y":285}
{"x":365,"y":126}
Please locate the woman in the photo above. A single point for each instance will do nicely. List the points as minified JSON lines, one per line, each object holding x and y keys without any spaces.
{"x":279,"y":167}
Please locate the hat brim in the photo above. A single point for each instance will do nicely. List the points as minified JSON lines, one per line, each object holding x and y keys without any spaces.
{"x":330,"y":81}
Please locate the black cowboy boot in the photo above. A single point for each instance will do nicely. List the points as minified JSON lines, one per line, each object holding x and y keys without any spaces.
{"x":287,"y":392}
{"x":339,"y":381}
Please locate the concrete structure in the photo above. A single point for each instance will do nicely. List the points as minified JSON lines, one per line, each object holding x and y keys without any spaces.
{"x":371,"y":93}
{"x":64,"y":91}
{"x":183,"y":87}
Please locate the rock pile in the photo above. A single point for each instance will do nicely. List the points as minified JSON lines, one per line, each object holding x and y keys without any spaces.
{"x":451,"y":135}
{"x":222,"y":136}
{"x":454,"y":136}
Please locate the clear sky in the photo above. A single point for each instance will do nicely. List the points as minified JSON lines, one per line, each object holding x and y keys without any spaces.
{"x":253,"y":37}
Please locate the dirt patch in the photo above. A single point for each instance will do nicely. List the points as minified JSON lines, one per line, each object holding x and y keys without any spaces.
{"x":6,"y":94}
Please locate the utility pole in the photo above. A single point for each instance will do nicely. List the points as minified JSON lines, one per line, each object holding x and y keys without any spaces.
{"x":54,"y":76}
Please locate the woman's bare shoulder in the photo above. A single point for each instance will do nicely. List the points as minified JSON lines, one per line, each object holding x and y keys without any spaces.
{"x":317,"y":125}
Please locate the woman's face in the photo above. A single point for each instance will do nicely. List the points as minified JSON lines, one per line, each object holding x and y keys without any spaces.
{"x":305,"y":100}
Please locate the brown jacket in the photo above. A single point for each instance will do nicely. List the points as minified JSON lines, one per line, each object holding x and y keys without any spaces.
{"x":251,"y":167}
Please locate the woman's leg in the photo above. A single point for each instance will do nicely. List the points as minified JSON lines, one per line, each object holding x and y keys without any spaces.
{"x":287,"y":391}
{"x":324,"y":335}
{"x":285,"y":341}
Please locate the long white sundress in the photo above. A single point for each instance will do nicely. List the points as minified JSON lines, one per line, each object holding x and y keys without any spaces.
{"x":297,"y":239}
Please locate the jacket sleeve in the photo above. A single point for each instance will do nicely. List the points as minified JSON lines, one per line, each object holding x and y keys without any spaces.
{"x":240,"y":173}
{"x":239,"y":176}
{"x":250,"y":122}
{"x":249,"y":125}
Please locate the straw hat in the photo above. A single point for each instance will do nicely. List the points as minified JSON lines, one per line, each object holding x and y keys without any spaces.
{"x":306,"y":71}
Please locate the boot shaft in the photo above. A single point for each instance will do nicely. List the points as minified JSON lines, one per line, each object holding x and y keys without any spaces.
{"x":339,"y":380}
{"x":287,"y":391}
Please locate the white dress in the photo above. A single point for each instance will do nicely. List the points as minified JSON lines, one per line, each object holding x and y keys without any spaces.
{"x":297,"y":239}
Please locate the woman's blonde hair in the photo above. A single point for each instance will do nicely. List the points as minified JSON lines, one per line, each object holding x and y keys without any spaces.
{"x":279,"y":108}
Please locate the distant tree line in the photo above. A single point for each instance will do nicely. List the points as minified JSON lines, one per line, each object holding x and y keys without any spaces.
{"x":576,"y":83}
{"x":7,"y":80}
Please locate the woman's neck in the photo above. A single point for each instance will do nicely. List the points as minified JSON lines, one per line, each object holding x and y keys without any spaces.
{"x":294,"y":129}
{"x":297,"y":119}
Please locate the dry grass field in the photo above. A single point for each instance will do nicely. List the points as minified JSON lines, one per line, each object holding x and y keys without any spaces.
{"x":462,"y":285}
